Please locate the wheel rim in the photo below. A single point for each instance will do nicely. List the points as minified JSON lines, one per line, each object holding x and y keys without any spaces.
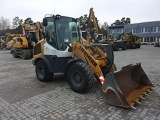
{"x":76,"y":78}
{"x":40,"y":71}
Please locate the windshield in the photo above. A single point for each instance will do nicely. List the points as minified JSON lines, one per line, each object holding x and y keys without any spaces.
{"x":3,"y":38}
{"x":100,"y":37}
{"x":50,"y":32}
{"x":61,"y":29}
{"x":116,"y":36}
{"x":66,"y":28}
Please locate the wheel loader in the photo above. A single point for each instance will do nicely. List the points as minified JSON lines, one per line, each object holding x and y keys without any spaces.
{"x":133,"y":41}
{"x":62,"y":51}
{"x":23,"y":45}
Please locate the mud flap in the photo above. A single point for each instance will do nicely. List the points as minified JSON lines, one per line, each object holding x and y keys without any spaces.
{"x":127,"y":86}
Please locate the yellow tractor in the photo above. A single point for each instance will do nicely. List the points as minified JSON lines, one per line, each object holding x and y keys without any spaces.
{"x":23,"y":45}
{"x":63,"y":51}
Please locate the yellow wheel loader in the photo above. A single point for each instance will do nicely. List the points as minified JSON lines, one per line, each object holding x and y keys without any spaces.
{"x":62,"y":51}
{"x":23,"y":45}
{"x":133,"y":41}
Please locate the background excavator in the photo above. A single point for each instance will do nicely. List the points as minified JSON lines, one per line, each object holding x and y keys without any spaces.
{"x":92,"y":31}
{"x":9,"y":40}
{"x":133,"y":41}
{"x":23,"y":45}
{"x":118,"y":41}
{"x":63,"y":51}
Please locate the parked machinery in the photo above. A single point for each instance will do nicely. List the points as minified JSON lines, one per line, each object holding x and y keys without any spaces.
{"x":118,"y":41}
{"x":92,"y":32}
{"x":9,"y":40}
{"x":23,"y":45}
{"x":63,"y":51}
{"x":133,"y":41}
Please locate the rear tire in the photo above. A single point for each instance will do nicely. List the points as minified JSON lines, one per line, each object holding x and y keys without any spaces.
{"x":42,"y":71}
{"x":138,"y":46}
{"x":114,"y":66}
{"x":80,"y":77}
{"x":24,"y":54}
{"x":14,"y":54}
{"x":116,"y":47}
{"x":28,"y":54}
{"x":124,"y":46}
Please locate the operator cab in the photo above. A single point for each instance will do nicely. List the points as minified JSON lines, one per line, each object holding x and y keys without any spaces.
{"x":60,"y":31}
{"x":116,"y":36}
{"x":2,"y":38}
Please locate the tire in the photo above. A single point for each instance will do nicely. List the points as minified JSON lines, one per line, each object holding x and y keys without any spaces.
{"x":14,"y":54}
{"x":28,"y":54}
{"x":115,"y":67}
{"x":80,"y":77}
{"x":134,"y":47}
{"x":124,"y":46}
{"x":116,"y":47}
{"x":129,"y":46}
{"x":42,"y":71}
{"x":138,"y":46}
{"x":24,"y":54}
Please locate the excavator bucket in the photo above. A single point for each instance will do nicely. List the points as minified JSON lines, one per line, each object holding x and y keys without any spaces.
{"x":126,"y":87}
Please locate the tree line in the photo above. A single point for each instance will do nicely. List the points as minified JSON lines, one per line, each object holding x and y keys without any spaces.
{"x":16,"y":26}
{"x":84,"y":23}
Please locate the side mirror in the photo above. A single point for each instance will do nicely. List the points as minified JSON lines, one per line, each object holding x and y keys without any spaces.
{"x":45,"y":22}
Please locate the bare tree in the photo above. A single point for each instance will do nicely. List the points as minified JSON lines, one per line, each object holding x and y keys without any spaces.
{"x":4,"y":23}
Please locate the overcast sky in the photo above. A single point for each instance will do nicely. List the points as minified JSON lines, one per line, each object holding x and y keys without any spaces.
{"x":105,"y":10}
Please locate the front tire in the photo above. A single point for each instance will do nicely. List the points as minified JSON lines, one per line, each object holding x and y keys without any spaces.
{"x":116,"y":47}
{"x":80,"y":77}
{"x":42,"y":71}
{"x":124,"y":46}
{"x":138,"y":46}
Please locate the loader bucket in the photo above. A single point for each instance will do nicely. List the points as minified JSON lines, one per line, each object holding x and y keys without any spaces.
{"x":127,"y":86}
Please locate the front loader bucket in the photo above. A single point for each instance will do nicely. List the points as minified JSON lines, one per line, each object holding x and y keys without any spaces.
{"x":127,"y":86}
